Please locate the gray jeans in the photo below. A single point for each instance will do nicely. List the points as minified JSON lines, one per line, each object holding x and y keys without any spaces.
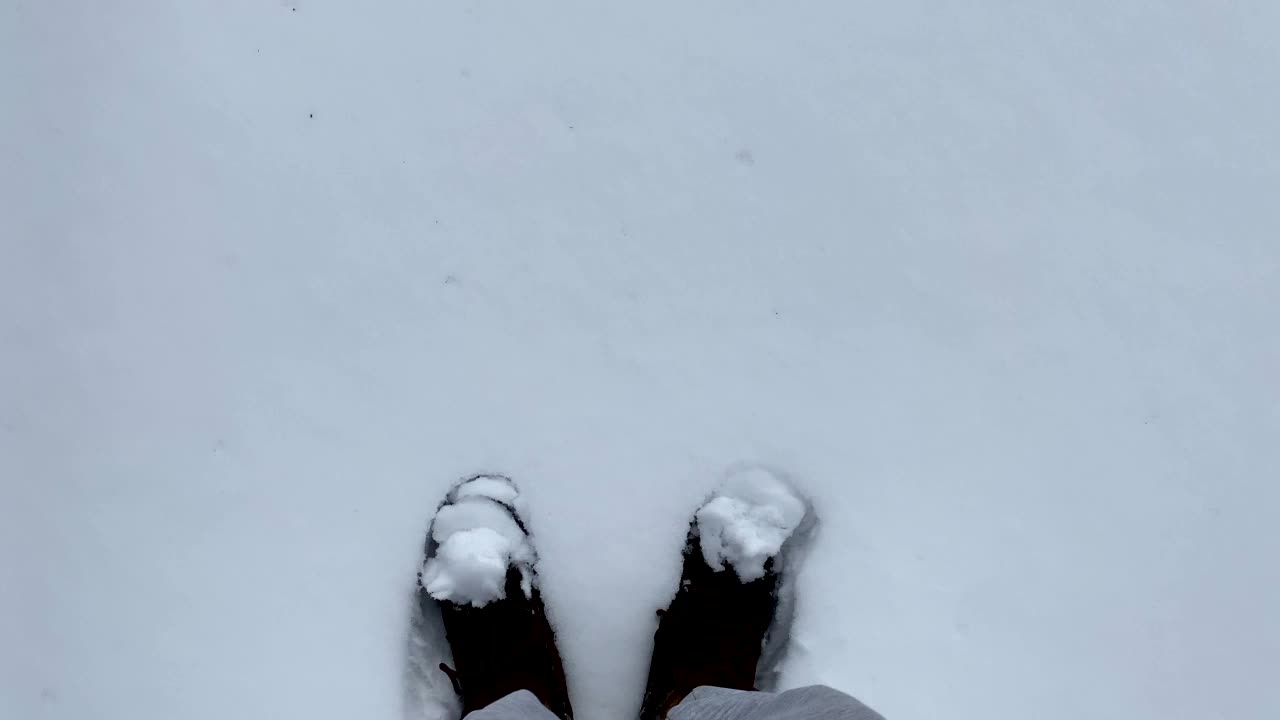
{"x":816,"y":702}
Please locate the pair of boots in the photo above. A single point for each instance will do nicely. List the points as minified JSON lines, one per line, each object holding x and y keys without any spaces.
{"x":479,"y":571}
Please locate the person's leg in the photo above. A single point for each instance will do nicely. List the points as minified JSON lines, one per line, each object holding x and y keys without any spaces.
{"x":519,"y":705}
{"x":816,"y":702}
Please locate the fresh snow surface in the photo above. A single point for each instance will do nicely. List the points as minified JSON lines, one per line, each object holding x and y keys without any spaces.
{"x":478,"y":541}
{"x":994,"y":282}
{"x":747,"y":522}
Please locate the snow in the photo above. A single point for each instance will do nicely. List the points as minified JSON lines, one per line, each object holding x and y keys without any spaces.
{"x":495,"y":488}
{"x":478,"y":542}
{"x":747,"y":521}
{"x":995,"y":283}
{"x":471,"y":568}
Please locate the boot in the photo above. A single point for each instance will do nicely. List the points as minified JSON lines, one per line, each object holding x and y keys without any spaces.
{"x":713,"y":633}
{"x":480,"y":572}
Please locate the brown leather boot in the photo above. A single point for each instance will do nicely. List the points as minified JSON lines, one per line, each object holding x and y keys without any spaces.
{"x":505,"y":643}
{"x":505,"y":646}
{"x":712,"y":633}
{"x":733,"y":607}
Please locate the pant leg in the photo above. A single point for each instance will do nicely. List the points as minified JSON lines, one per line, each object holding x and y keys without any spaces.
{"x":519,"y":705}
{"x":816,"y":702}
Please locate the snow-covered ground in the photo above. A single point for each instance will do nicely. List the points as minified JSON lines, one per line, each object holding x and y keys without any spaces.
{"x":996,"y":282}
